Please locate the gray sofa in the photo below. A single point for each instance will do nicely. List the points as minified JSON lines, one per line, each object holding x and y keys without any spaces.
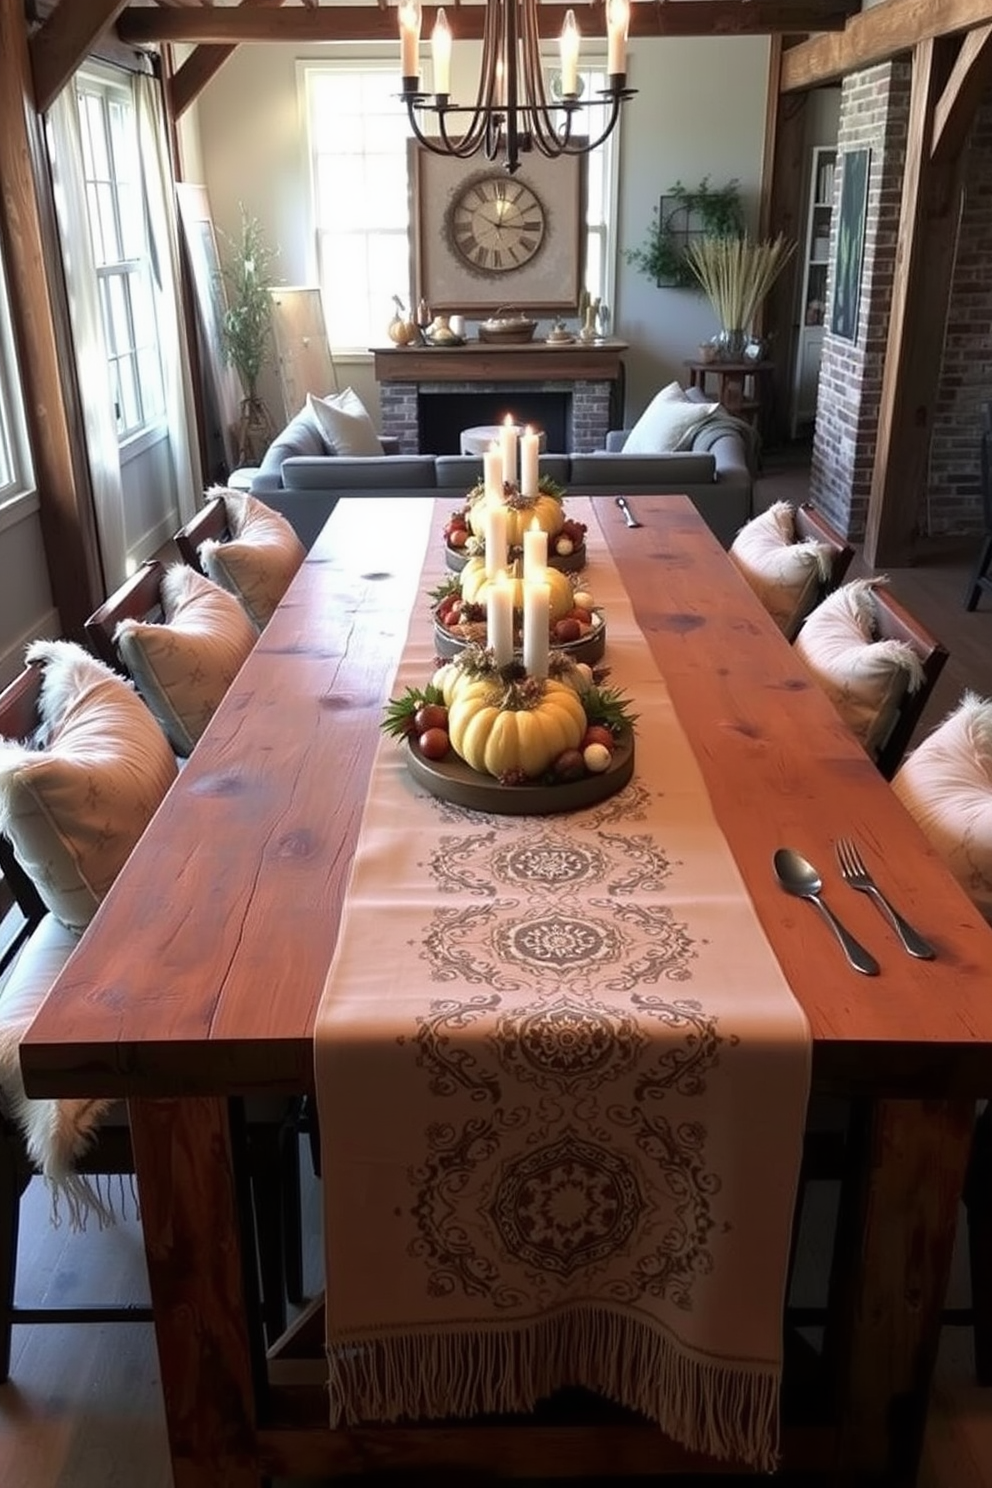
{"x":302,"y":480}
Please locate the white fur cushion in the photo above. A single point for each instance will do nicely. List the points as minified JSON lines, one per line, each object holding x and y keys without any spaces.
{"x":786,"y":575}
{"x":344,"y":423}
{"x":864,"y":678}
{"x":183,"y":668}
{"x":259,"y":561}
{"x":56,"y":1132}
{"x":946,"y":784}
{"x":668,"y":423}
{"x":75,"y":802}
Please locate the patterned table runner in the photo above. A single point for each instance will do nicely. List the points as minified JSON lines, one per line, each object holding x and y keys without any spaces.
{"x":562,"y":1085}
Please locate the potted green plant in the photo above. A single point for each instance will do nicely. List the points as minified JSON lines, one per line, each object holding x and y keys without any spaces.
{"x":736,"y":273}
{"x":246,"y":328}
{"x":681,"y":215}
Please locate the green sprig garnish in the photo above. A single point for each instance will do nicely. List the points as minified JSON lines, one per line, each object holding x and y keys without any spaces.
{"x":608,"y":706}
{"x":399,"y":711}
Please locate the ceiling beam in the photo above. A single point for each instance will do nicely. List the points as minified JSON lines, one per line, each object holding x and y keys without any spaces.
{"x":230,"y":25}
{"x":191,"y":78}
{"x":64,"y":41}
{"x":958,"y":104}
{"x":878,"y":35}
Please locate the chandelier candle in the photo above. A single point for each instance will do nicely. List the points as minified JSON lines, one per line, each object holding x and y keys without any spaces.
{"x":492,"y":472}
{"x":508,"y":438}
{"x":537,"y":625}
{"x":535,"y":554}
{"x":530,"y":445}
{"x":499,"y":619}
{"x":496,"y":541}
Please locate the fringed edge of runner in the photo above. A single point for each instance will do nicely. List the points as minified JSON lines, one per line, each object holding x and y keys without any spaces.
{"x":727,"y":1409}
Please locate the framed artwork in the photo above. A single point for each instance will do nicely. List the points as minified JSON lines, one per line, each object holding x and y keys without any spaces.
{"x":484,"y":239}
{"x":849,"y":251}
{"x":222,"y":381}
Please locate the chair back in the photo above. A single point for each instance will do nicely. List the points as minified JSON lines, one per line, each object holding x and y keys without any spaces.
{"x":19,"y":719}
{"x":812,"y":523}
{"x":138,"y":598}
{"x":210,"y":522}
{"x":897,"y":624}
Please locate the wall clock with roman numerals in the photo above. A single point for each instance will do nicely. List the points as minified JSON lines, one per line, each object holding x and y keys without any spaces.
{"x":483,"y":239}
{"x":497,"y":224}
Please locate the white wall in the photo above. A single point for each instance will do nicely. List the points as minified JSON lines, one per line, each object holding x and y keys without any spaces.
{"x":699,"y":111}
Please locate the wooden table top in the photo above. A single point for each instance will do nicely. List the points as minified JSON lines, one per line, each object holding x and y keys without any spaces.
{"x":203,"y":968}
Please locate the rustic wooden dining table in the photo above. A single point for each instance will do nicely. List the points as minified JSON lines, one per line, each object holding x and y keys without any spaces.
{"x":199,"y":980}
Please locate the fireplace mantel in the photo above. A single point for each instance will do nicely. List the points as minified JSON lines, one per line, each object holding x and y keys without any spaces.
{"x":481,"y":361}
{"x":586,"y":376}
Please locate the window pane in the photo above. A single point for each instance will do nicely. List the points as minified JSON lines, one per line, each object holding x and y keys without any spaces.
{"x":128,"y":382}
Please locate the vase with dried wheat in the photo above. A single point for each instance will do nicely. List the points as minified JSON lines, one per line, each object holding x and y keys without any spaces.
{"x":736,"y":274}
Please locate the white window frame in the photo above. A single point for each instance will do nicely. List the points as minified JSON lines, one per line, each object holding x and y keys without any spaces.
{"x":150,"y":424}
{"x":16,"y":472}
{"x":601,"y":216}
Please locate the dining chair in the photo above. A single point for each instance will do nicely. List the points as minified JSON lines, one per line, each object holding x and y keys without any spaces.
{"x":876,"y":662}
{"x":102,"y":1146}
{"x":250,"y":550}
{"x":138,"y":598}
{"x":209,"y":524}
{"x":811,"y":523}
{"x":791,"y":558}
{"x":981,"y":579}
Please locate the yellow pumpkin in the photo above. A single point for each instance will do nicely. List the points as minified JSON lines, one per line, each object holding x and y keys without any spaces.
{"x":496,"y":738}
{"x":519,"y":519}
{"x":475,"y":588}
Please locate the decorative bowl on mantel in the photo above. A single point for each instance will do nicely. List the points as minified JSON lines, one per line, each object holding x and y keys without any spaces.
{"x":507,"y":330}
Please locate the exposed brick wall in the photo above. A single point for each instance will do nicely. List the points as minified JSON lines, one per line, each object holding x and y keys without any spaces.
{"x":873,"y":115}
{"x":953,"y":489}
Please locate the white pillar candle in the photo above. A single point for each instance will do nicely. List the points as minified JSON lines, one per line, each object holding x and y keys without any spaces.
{"x":537,"y":626}
{"x":496,"y":540}
{"x":492,"y":471}
{"x":617,"y":19}
{"x":530,"y":449}
{"x":535,"y":553}
{"x":409,"y":19}
{"x":499,"y":619}
{"x":441,"y":53}
{"x":508,"y":443}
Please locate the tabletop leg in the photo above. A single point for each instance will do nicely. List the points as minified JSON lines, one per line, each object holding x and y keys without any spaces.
{"x":190,"y":1217}
{"x":895,"y":1240}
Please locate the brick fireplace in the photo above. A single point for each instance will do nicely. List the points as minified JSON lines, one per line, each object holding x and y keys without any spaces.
{"x":428,"y":395}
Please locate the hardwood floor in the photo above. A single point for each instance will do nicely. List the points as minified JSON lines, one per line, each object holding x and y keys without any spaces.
{"x":82,"y":1408}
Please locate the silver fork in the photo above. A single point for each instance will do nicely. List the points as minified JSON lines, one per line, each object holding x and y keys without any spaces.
{"x":854,"y":872}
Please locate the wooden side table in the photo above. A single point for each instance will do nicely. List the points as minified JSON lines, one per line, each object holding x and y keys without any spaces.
{"x":742,"y":387}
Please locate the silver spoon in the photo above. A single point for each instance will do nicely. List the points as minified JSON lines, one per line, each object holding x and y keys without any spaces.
{"x":800,"y":878}
{"x":628,"y":515}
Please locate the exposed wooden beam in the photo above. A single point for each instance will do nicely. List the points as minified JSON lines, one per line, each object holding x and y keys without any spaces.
{"x":970,"y":76}
{"x":878,"y":35}
{"x":200,"y":66}
{"x":229,"y":25}
{"x":66,"y":513}
{"x":64,"y":41}
{"x":921,"y":287}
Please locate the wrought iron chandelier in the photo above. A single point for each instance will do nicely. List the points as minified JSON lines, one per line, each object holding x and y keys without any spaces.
{"x":512,"y":112}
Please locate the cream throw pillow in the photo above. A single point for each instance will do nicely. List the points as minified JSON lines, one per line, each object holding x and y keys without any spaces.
{"x":75,"y":800}
{"x":261,"y":558}
{"x":183,"y":668}
{"x":864,"y":678}
{"x":344,"y":423}
{"x":786,"y":575}
{"x":668,"y":423}
{"x":946,"y":784}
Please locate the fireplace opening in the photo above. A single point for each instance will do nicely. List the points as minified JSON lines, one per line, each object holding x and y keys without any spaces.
{"x":442,"y":416}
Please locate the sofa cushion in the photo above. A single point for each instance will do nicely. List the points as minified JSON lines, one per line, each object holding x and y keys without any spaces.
{"x":346,"y":476}
{"x":601,"y":468}
{"x":864,"y":678}
{"x":75,"y":800}
{"x":183,"y":667}
{"x":462,"y":472}
{"x":343,"y":420}
{"x":668,"y":422}
{"x":786,"y":575}
{"x":946,"y":784}
{"x":259,"y":561}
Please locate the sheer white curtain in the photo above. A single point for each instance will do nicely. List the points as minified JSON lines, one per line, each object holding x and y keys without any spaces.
{"x":95,"y":388}
{"x":163,"y":235}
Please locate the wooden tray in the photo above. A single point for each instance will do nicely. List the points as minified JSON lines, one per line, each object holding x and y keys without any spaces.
{"x":589,"y":648}
{"x":456,"y":559}
{"x":452,"y":780}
